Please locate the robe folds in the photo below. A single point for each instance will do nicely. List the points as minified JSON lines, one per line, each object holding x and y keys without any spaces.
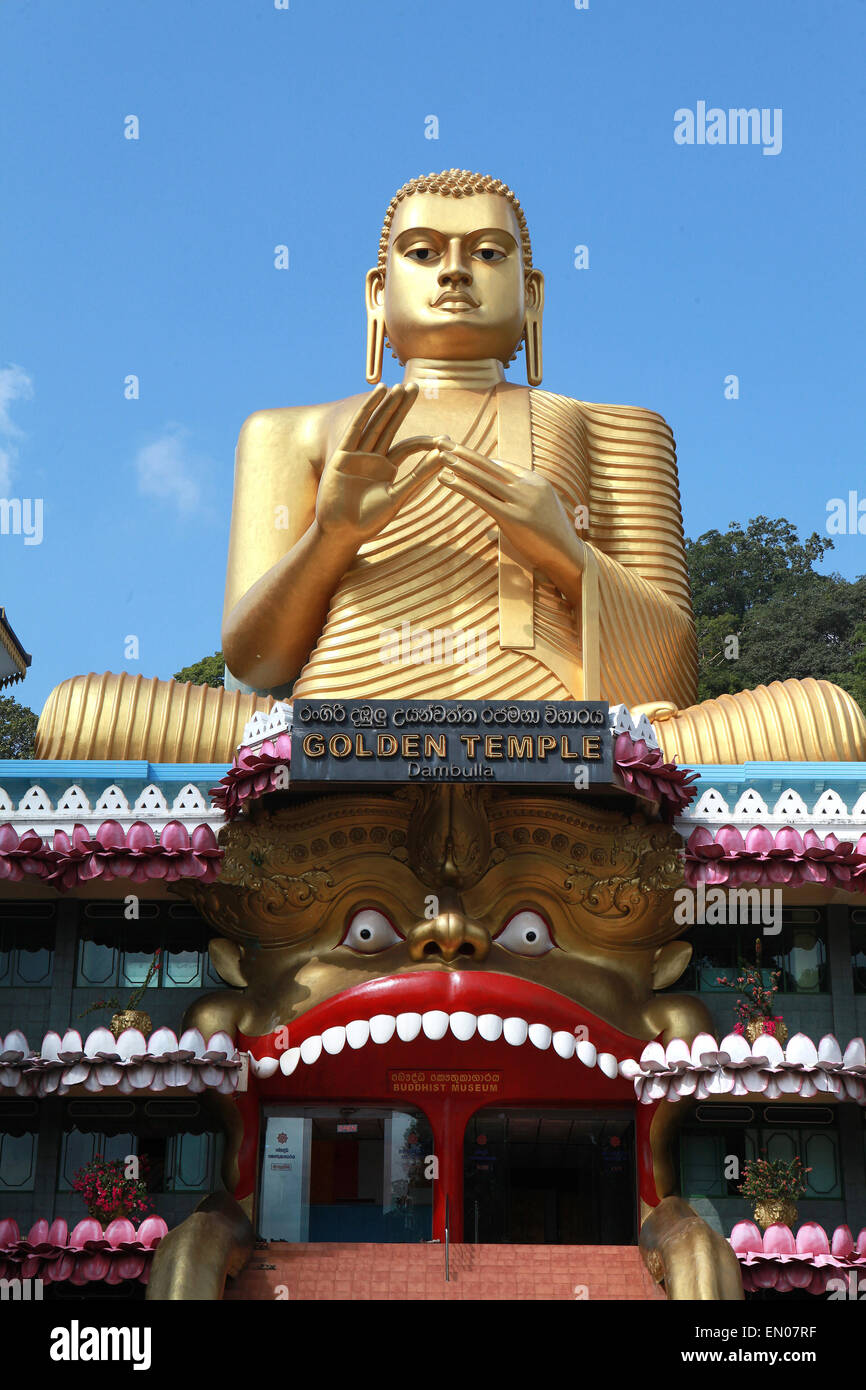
{"x":437,"y":605}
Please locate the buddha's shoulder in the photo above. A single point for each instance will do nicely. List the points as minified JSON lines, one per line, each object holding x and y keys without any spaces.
{"x":309,"y":425}
{"x":603,"y":412}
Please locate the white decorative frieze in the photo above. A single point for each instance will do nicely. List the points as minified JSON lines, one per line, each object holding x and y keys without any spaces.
{"x":73,"y":802}
{"x":266,"y":726}
{"x":790,"y":807}
{"x":190,"y":799}
{"x":751,"y":806}
{"x":711,"y":807}
{"x":825,"y":809}
{"x":37,"y":811}
{"x":112,"y":802}
{"x":34,"y":802}
{"x":622,"y":721}
{"x":151,"y":802}
{"x":829,"y":807}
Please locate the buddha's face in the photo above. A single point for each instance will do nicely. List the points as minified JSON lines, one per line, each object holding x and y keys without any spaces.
{"x":454,"y":287}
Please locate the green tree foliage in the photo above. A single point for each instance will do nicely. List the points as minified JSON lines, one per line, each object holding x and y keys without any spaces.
{"x":17,"y":729}
{"x":763,"y":613}
{"x":209,"y":671}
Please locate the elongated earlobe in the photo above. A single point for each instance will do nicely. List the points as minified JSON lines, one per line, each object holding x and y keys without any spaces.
{"x":532,"y":329}
{"x":374,"y":288}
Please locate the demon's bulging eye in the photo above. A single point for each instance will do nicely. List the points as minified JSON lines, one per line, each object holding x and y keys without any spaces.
{"x":370,"y":931}
{"x":526,"y":934}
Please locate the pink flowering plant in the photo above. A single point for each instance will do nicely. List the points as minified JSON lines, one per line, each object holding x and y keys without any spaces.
{"x":769,"y":1179}
{"x":757,"y":998}
{"x":107,"y":1193}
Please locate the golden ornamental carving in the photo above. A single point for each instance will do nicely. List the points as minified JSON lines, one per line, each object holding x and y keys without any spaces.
{"x":286,"y":868}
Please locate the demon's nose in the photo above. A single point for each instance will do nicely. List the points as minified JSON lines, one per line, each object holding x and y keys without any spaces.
{"x":447,"y":936}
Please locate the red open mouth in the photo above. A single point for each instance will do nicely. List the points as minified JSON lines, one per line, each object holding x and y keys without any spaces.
{"x":435,"y":1006}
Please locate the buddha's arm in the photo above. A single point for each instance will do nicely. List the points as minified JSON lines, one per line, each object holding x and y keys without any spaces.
{"x":645,"y":640}
{"x":638,"y":641}
{"x":645,"y":636}
{"x":282,"y":569}
{"x":311,"y":485}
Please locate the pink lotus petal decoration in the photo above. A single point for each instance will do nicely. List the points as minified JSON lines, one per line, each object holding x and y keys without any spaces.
{"x":778,"y":1260}
{"x":86,"y":1255}
{"x":766,"y":860}
{"x":109,"y":854}
{"x":644,"y":771}
{"x":255,"y":772}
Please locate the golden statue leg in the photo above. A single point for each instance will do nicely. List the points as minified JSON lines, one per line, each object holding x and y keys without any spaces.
{"x":687,"y":1256}
{"x":194,"y":1260}
{"x":786,"y":721}
{"x":123,"y":716}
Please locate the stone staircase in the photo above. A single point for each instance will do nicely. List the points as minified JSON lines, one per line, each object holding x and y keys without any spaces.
{"x":398,"y":1273}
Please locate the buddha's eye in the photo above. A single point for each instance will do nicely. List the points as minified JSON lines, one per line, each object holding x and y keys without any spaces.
{"x":370,"y":931}
{"x":425,"y":254}
{"x":526,"y":934}
{"x":489,"y":253}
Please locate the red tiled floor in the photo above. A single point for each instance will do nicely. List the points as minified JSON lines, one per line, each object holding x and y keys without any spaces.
{"x":417,"y":1272}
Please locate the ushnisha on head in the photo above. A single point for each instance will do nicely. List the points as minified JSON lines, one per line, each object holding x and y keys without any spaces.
{"x":454,"y":280}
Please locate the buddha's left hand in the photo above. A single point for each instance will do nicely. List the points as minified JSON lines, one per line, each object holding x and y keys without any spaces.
{"x":526,"y":509}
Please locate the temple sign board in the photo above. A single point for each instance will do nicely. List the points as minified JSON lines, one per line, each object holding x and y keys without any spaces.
{"x":554,"y":743}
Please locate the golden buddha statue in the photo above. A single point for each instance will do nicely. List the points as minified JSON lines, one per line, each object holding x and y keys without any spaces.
{"x":542,"y":536}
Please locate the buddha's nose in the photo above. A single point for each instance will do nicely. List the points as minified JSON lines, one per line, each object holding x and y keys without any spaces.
{"x":447,"y":936}
{"x":455,"y":266}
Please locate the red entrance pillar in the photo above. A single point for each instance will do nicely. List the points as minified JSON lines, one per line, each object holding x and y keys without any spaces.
{"x":448,"y":1119}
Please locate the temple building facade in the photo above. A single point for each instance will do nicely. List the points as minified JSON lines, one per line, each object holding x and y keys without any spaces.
{"x":502,"y":1120}
{"x":454,"y":927}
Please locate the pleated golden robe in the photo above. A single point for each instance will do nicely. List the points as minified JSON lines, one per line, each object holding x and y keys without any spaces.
{"x":428,"y":609}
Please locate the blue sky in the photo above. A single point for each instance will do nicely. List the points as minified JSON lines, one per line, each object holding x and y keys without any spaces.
{"x":261,"y":126}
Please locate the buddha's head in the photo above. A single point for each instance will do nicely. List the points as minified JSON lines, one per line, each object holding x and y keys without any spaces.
{"x":455,"y":280}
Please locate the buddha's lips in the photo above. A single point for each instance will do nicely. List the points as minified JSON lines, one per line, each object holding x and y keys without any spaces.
{"x":465,"y":1005}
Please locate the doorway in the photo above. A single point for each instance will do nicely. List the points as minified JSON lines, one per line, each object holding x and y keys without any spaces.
{"x":346,"y":1173}
{"x":550,"y":1177}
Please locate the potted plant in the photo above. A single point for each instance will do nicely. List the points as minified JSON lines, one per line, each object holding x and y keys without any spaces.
{"x":108,"y":1193}
{"x":754,"y":1010}
{"x":129,"y":1016}
{"x":774,"y":1185}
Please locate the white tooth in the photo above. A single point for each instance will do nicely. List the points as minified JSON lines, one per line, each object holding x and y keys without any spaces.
{"x":540,"y":1035}
{"x":563,"y":1043}
{"x":463,"y":1025}
{"x":289,"y":1060}
{"x":608,"y":1064}
{"x":265,"y":1066}
{"x":382,"y":1028}
{"x":333,"y":1040}
{"x":587,"y":1053}
{"x":490,"y":1027}
{"x":515,"y":1030}
{"x":435,"y":1024}
{"x":357,"y":1032}
{"x":311,"y":1049}
{"x":408,"y":1027}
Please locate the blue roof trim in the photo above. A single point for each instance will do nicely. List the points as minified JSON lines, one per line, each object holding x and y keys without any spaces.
{"x":774,"y":778}
{"x":75,"y":769}
{"x":55,"y":775}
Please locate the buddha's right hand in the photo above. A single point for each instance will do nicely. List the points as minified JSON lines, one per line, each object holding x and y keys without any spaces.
{"x":358,"y":491}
